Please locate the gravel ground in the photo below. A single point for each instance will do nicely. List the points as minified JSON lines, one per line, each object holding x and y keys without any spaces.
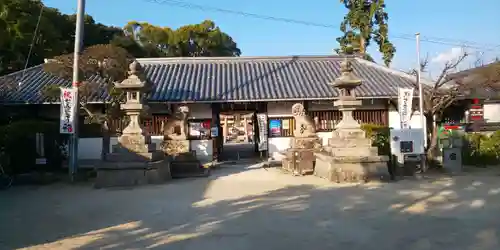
{"x":242,"y":207}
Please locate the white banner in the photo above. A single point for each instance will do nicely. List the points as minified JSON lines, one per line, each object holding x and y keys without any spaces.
{"x":262,"y":122}
{"x":405,"y":99}
{"x":68,"y":108}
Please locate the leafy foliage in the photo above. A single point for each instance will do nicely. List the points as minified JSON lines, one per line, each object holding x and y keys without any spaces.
{"x":365,"y":21}
{"x":203,"y":39}
{"x":55,"y":36}
{"x":482,"y":150}
{"x":18,"y":19}
{"x":380,"y":137}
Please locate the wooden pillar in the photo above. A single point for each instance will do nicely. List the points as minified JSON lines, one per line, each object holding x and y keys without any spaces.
{"x":224,"y":130}
{"x":217,"y":141}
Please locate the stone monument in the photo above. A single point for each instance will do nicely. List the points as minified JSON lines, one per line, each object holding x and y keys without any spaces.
{"x":134,"y":160}
{"x":183,"y":162}
{"x":349,"y":155}
{"x":299,"y":158}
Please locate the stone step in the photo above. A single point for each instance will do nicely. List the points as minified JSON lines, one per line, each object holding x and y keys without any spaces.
{"x":185,"y":169}
{"x":358,"y":151}
{"x":127,"y":156}
{"x":351,"y":159}
{"x":349,"y":143}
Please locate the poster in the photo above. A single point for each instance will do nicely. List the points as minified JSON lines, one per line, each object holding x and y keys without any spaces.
{"x":405,"y":98}
{"x":199,"y":129}
{"x":262,"y":123}
{"x":275,"y":127}
{"x":286,"y":124}
{"x":68,"y":110}
{"x":195,"y":129}
{"x":214,"y":132}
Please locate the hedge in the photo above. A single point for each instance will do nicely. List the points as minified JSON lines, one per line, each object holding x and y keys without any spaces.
{"x":18,"y":144}
{"x":481,"y":150}
{"x":380,"y":136}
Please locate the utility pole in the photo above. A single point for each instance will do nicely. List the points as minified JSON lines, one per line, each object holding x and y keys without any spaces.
{"x":421,"y":100}
{"x":80,"y":14}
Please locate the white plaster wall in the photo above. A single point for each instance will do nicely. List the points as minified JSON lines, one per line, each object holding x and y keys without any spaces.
{"x":203,"y":148}
{"x":90,"y":148}
{"x":277,"y":144}
{"x":199,"y":111}
{"x":492,"y":112}
{"x":279,"y":109}
{"x":395,"y":122}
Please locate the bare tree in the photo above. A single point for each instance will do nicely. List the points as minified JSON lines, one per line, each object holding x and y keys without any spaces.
{"x":448,"y":88}
{"x":100,"y":67}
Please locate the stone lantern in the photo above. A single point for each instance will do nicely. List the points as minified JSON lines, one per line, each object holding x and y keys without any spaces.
{"x":349,"y":156}
{"x":346,"y":83}
{"x":133,"y":107}
{"x":134,"y":159}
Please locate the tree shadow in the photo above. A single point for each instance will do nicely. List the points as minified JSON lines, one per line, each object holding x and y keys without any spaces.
{"x":248,"y":209}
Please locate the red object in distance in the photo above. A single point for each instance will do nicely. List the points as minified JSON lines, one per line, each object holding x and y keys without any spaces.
{"x":206,"y":124}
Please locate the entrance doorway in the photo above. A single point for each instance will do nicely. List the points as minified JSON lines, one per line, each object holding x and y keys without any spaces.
{"x":238,"y":135}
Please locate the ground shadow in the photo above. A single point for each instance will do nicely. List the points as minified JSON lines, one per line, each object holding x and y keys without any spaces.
{"x":248,"y":210}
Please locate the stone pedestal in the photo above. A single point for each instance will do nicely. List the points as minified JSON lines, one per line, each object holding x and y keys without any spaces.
{"x":299,"y":158}
{"x":132,"y":162}
{"x":349,"y":156}
{"x":182,"y":162}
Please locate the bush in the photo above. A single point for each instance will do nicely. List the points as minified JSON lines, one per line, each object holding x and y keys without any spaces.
{"x":380,"y":137}
{"x":480,"y":149}
{"x":18,"y":143}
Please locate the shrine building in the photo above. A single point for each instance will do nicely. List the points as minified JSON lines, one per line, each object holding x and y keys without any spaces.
{"x":248,"y":100}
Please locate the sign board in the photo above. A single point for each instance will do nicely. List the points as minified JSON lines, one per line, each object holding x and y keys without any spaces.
{"x":286,"y":124}
{"x":405,"y":102}
{"x":262,"y":123}
{"x":214,"y":132}
{"x":40,"y":161}
{"x":275,"y":127}
{"x":68,"y":110}
{"x":407,"y":141}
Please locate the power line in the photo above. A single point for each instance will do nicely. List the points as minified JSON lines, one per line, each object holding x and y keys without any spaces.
{"x":427,"y":39}
{"x":32,"y":43}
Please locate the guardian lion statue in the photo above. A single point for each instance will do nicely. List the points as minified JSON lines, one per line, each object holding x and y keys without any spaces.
{"x":176,"y":126}
{"x":304,"y":126}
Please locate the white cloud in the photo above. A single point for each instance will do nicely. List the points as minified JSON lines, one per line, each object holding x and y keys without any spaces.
{"x":447,"y":56}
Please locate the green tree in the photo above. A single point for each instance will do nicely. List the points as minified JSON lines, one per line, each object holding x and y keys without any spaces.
{"x":203,"y":39}
{"x":54,"y":36}
{"x":366,"y":21}
{"x":106,"y":61}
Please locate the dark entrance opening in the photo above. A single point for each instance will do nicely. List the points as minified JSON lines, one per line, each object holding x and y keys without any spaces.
{"x":239,"y":131}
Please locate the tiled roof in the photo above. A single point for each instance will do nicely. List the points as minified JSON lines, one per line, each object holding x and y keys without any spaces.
{"x":235,"y":79}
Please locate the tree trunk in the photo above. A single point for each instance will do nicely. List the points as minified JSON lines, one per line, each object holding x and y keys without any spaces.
{"x":432,"y":150}
{"x":106,"y":140}
{"x":362,"y":49}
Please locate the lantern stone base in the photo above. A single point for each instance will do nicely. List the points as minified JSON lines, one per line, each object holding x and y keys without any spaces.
{"x":133,"y":162}
{"x":350,"y":157}
{"x":122,"y":174}
{"x":350,"y":169}
{"x":183,"y":163}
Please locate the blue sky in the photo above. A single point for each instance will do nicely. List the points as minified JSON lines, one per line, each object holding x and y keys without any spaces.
{"x":451,"y":19}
